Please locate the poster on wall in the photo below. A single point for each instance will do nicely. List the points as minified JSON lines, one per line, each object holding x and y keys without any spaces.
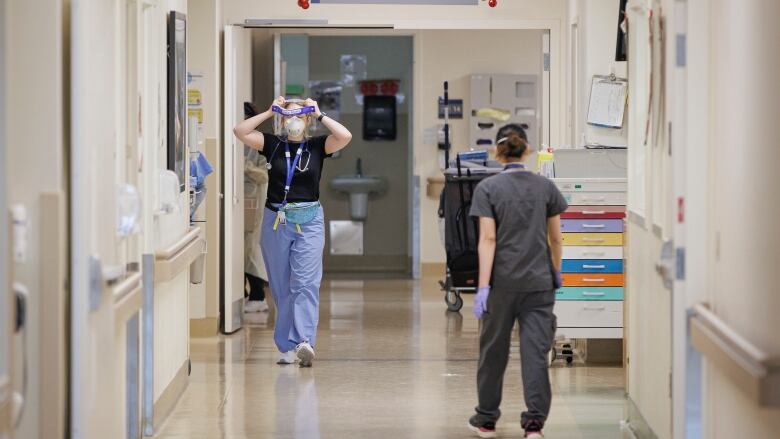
{"x":354,"y":68}
{"x":328,"y":97}
{"x":177,"y":95}
{"x":195,"y":99}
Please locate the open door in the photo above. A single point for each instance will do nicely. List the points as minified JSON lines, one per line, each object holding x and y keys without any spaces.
{"x":106,"y":191}
{"x":651,"y":207}
{"x":237,"y":70}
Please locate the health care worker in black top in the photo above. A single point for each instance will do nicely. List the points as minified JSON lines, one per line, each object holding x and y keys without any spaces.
{"x":293,"y":235}
{"x":520,"y":249}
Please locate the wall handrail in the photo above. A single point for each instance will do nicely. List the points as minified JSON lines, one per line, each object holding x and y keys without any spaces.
{"x":170,"y":262}
{"x":169,"y":252}
{"x":126,"y":286}
{"x":751,"y":368}
{"x":127,"y":295}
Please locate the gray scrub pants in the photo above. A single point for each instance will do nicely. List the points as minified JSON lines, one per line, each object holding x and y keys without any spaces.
{"x":534,"y":313}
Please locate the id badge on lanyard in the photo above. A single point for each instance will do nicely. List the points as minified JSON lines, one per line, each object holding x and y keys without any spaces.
{"x":281,"y":216}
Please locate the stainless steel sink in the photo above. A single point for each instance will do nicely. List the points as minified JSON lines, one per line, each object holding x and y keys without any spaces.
{"x":358,"y":187}
{"x":351,"y":184}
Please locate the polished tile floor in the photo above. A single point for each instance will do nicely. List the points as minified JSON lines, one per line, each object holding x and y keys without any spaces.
{"x":391,"y":363}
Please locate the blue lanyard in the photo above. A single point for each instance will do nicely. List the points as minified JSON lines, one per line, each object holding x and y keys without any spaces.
{"x":510,"y":166}
{"x":291,"y":167}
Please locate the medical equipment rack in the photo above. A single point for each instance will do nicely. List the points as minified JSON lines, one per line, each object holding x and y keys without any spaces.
{"x":461,"y":231}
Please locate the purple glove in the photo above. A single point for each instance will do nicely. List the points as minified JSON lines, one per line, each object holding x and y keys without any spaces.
{"x":480,"y":301}
{"x":557,"y":279}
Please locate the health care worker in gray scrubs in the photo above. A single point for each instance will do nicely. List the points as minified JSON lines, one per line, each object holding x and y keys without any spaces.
{"x":293,"y":234}
{"x":520,"y":249}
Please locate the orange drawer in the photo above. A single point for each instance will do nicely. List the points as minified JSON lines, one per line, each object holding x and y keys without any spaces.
{"x":593,"y":279}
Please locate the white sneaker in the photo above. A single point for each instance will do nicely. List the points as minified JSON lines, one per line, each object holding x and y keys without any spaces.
{"x":287,"y":358}
{"x":255,"y":306}
{"x":305,"y":354}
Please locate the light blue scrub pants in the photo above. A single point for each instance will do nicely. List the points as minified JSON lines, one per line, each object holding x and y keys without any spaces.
{"x":294,"y":264}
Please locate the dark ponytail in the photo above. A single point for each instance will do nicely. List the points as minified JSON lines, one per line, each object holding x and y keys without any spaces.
{"x":513,"y":146}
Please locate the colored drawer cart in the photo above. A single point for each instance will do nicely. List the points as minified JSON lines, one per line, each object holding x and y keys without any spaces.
{"x":589,"y":293}
{"x":592,"y":252}
{"x":593,"y":279}
{"x":592,"y":225}
{"x":592,"y":266}
{"x":593,"y":239}
{"x":590,"y":303}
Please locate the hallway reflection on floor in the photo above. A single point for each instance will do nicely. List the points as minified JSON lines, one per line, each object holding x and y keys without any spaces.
{"x":391,"y":363}
{"x":297,"y":396}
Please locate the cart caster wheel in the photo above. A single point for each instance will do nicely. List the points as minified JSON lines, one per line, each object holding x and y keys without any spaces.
{"x":454,"y":302}
{"x":569,"y":360}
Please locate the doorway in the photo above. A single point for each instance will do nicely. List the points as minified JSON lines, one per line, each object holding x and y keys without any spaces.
{"x":339,"y":71}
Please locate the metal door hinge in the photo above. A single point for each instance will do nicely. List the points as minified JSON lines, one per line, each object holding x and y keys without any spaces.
{"x":96,"y":282}
{"x":680,"y":275}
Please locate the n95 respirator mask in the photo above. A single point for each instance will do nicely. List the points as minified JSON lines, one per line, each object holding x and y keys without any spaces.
{"x":294,"y":126}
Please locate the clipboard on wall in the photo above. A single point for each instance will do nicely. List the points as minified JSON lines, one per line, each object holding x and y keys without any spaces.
{"x":607,"y":105}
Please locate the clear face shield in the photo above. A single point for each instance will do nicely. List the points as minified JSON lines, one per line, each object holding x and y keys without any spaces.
{"x":292,"y":122}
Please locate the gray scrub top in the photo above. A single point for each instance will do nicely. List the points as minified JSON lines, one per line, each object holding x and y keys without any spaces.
{"x":520,"y":203}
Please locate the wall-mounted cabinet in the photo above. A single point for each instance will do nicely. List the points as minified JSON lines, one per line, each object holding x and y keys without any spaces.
{"x":519,"y":95}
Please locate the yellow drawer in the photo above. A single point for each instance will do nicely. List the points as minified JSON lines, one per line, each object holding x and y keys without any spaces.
{"x":592,"y":239}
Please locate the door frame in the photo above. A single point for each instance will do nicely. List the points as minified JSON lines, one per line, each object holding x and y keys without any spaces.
{"x":555,"y":130}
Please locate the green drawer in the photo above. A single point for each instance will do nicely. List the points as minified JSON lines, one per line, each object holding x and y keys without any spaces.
{"x":589,"y":293}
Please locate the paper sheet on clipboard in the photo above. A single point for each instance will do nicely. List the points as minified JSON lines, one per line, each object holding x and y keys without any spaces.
{"x":607,"y":102}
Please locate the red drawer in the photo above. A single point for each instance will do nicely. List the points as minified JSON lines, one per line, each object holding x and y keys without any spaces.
{"x":594,"y":212}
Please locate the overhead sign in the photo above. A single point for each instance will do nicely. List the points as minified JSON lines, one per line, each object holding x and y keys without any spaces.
{"x":397,"y":2}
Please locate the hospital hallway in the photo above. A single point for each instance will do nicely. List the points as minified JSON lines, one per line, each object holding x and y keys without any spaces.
{"x":391,"y":363}
{"x":403,"y":174}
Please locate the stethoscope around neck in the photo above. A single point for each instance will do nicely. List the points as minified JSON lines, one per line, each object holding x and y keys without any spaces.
{"x":298,"y":167}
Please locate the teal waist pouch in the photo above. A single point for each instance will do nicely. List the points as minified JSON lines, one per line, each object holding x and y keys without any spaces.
{"x":300,"y":213}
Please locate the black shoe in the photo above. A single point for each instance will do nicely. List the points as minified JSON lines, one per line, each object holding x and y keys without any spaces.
{"x":533,"y":429}
{"x":483,"y":429}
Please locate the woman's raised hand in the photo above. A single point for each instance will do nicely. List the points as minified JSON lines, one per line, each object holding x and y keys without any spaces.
{"x":279,"y":101}
{"x":312,"y":103}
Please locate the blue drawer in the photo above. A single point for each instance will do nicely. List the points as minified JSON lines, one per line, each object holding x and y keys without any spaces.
{"x":589,"y":293}
{"x":592,"y":266}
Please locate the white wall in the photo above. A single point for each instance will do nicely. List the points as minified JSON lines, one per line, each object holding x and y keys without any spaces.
{"x":597,"y":23}
{"x":745,"y":65}
{"x":171,"y":306}
{"x":437,"y":60}
{"x":203,"y":43}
